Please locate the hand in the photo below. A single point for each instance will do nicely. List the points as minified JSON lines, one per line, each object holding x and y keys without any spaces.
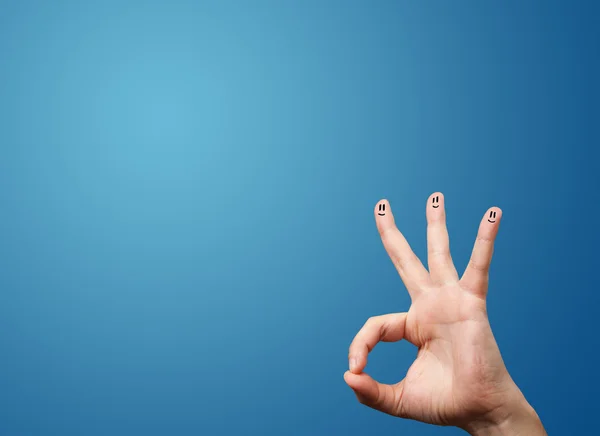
{"x":458,"y":377}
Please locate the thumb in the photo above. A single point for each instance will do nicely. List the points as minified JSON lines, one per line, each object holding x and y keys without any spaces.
{"x":371,"y":393}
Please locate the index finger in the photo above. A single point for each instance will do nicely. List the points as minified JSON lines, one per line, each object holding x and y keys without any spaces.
{"x":386,"y":328}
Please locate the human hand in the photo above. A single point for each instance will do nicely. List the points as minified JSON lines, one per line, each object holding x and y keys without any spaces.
{"x":458,"y":377}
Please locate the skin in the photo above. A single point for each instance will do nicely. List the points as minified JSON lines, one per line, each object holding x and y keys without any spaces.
{"x":458,"y":377}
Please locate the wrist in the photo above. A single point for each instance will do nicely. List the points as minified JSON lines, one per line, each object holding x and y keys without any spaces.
{"x":515,"y":418}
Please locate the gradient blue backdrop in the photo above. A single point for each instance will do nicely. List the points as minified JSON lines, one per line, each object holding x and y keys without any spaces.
{"x":186,"y":189}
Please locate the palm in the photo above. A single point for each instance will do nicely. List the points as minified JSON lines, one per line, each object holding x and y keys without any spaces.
{"x":458,"y":367}
{"x":450,"y":377}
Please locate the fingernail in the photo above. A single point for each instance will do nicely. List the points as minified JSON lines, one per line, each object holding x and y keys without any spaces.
{"x":353,"y":363}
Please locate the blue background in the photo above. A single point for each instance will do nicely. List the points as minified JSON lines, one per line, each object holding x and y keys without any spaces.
{"x":187,"y":243}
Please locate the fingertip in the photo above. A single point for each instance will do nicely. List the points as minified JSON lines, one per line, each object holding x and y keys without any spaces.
{"x":356,"y":364}
{"x":364,"y":387}
{"x":435,"y":207}
{"x":355,"y":381}
{"x":435,"y":200}
{"x":438,"y":195}
{"x":382,"y":207}
{"x":383,"y":214}
{"x":349,"y":378}
{"x":493,"y":215}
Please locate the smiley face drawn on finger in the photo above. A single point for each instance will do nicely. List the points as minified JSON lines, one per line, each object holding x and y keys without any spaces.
{"x":381,"y":209}
{"x":492,"y":217}
{"x":435,"y":201}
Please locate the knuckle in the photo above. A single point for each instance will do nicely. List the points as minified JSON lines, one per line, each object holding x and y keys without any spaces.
{"x":363,"y":400}
{"x":478,"y":266}
{"x":402,"y":263}
{"x":476,"y":286}
{"x":385,"y":234}
{"x":372,"y":320}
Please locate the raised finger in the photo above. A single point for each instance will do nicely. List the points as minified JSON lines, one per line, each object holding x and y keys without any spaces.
{"x":441,"y":267}
{"x":411,"y":270}
{"x":475,"y":277}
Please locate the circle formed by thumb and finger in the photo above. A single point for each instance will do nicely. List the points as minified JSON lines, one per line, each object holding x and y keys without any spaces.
{"x":384,"y":328}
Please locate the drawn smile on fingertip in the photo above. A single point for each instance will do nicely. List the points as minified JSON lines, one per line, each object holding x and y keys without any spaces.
{"x":492,"y":215}
{"x":381,"y":209}
{"x":436,"y":201}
